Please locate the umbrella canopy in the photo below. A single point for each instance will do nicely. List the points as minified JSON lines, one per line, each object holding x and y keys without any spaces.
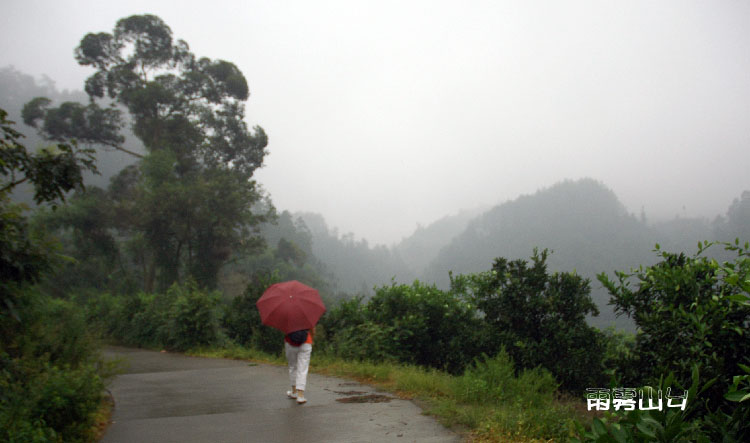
{"x":290,"y":306}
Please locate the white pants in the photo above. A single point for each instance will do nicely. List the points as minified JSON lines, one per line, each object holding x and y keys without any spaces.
{"x":298,"y":358}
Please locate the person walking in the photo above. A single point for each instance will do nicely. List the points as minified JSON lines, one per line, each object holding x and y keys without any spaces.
{"x":298,"y":347}
{"x":293,"y":308}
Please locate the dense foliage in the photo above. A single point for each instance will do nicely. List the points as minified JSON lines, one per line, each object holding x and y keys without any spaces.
{"x":408,"y":323}
{"x":181,"y":318}
{"x":694,"y":318}
{"x":52,"y":172}
{"x":539,"y":318}
{"x":242,"y":319}
{"x":50,"y":381}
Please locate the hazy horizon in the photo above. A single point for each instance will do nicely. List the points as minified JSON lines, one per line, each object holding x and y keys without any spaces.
{"x":383,"y":116}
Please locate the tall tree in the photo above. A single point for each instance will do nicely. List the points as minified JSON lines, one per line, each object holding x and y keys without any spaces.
{"x":189,"y":200}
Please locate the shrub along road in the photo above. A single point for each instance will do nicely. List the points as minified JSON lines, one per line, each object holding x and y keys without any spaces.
{"x":163,"y":397}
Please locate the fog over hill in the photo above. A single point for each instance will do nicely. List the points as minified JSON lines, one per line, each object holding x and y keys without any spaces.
{"x":582,"y":222}
{"x":356,"y":266}
{"x":18,"y":88}
{"x":420,"y":248}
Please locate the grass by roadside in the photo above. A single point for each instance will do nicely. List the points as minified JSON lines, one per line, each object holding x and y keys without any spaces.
{"x":103,"y":417}
{"x":488,"y":400}
{"x":238,"y":353}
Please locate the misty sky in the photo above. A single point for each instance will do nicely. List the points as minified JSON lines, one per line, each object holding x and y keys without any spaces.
{"x":385,"y":114}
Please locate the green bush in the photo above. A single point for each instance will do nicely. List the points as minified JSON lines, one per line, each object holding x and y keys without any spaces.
{"x":193,"y":317}
{"x":42,"y":402}
{"x":50,"y":379}
{"x":101,"y":312}
{"x":149,"y":325}
{"x":440,"y":330}
{"x":494,"y":380}
{"x":693,"y":315}
{"x":181,"y":318}
{"x":68,"y":399}
{"x":539,"y":318}
{"x":20,"y":421}
{"x":666,"y":425}
{"x":689,"y":310}
{"x":415,"y":323}
{"x":142,"y":319}
{"x":241,"y":318}
{"x":366,"y":341}
{"x":498,"y":400}
{"x":343,"y":316}
{"x":618,"y":348}
{"x":487,"y":381}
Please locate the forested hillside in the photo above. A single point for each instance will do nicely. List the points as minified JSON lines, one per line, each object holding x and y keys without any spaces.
{"x":421,"y":247}
{"x":588,"y":230}
{"x":582,"y":222}
{"x":356,"y":266}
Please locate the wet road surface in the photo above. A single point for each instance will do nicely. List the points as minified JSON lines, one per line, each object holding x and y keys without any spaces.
{"x":166,"y":397}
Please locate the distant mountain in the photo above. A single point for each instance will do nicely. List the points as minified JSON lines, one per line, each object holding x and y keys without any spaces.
{"x":357,"y":267}
{"x":582,"y":222}
{"x":589,"y":232}
{"x":420,"y":248}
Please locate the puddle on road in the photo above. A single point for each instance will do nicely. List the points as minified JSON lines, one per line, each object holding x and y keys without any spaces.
{"x":350,"y":392}
{"x":372,"y":398}
{"x":360,"y":396}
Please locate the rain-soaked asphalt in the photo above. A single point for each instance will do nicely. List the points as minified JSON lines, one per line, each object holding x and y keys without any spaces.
{"x":165,"y":397}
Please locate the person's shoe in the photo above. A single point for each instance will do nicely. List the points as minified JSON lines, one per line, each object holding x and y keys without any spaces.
{"x":291,"y":394}
{"x":301,"y":397}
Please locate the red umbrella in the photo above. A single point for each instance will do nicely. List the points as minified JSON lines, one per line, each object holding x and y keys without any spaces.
{"x":290,"y":306}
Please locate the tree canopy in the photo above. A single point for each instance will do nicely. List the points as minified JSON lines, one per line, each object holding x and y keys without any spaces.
{"x":193,"y":106}
{"x":185,"y":208}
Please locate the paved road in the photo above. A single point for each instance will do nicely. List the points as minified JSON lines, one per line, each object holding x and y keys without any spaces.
{"x":164,"y":397}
